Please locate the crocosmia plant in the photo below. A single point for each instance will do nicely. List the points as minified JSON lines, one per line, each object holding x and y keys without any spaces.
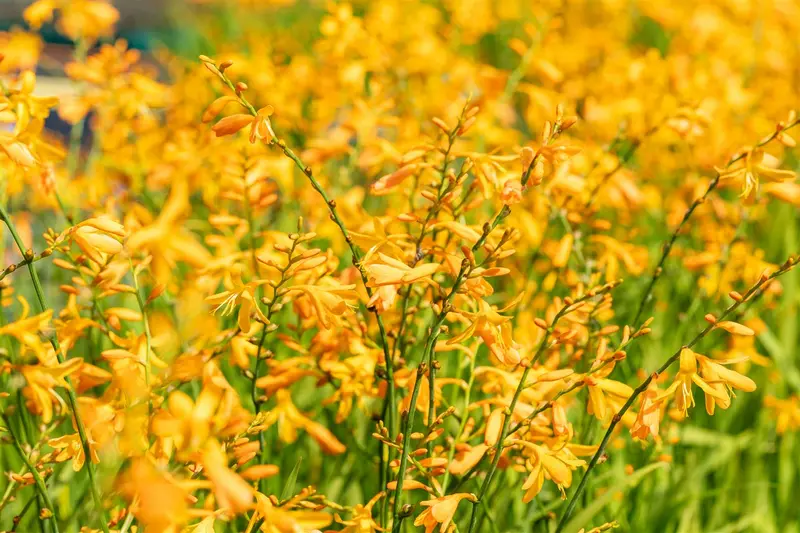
{"x":401,"y":265}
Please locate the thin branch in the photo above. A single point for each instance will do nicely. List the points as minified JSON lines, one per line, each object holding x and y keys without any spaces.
{"x":753,"y":291}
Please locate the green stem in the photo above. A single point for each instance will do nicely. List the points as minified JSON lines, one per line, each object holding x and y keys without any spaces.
{"x":463,"y":425}
{"x":668,"y":246}
{"x":147,"y":335}
{"x":37,"y":478}
{"x":498,"y":449}
{"x":71,"y":396}
{"x":615,"y":420}
{"x":126,"y":525}
{"x":334,"y":215}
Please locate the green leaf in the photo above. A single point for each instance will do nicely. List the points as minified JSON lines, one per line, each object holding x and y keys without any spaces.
{"x":583,"y":518}
{"x":649,"y":33}
{"x":288,"y":488}
{"x":782,"y":359}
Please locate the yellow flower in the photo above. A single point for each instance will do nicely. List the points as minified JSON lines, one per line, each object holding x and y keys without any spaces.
{"x":713,"y":379}
{"x":495,"y":331}
{"x":755,"y":166}
{"x":17,"y":151}
{"x":39,"y":12}
{"x":70,"y":447}
{"x":377,"y":240}
{"x":166,"y":238}
{"x":189,"y":423}
{"x":330,"y":300}
{"x":158,"y":501}
{"x":724,"y":380}
{"x":388,"y":271}
{"x":388,"y":275}
{"x":280,"y":520}
{"x":556,"y":465}
{"x":786,"y":412}
{"x":98,"y":238}
{"x":27,"y":331}
{"x":42,"y":381}
{"x":79,"y":19}
{"x":240,"y":294}
{"x":290,"y":419}
{"x":441,"y":511}
{"x":606,"y":397}
{"x":232,"y":492}
{"x":362,"y":521}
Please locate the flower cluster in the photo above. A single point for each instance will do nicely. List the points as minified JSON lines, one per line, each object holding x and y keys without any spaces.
{"x":387,"y":272}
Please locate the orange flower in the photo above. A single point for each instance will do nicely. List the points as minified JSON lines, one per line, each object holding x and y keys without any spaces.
{"x":330,"y":300}
{"x":260,"y":126}
{"x":713,"y":378}
{"x":441,"y":511}
{"x":242,"y":294}
{"x":231,"y":124}
{"x":280,"y":520}
{"x":232,"y":492}
{"x":755,"y":166}
{"x":385,"y":184}
{"x":649,"y":417}
{"x":495,"y":331}
{"x":290,"y":419}
{"x":70,"y":447}
{"x":159,"y":502}
{"x":42,"y":381}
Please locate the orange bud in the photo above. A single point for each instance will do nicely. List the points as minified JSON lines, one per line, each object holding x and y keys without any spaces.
{"x":735,"y":328}
{"x":441,"y":124}
{"x":564,"y":249}
{"x":260,"y":472}
{"x":232,"y":124}
{"x":494,"y":426}
{"x":157,"y":291}
{"x":215,"y":107}
{"x":467,"y":125}
{"x":409,"y":484}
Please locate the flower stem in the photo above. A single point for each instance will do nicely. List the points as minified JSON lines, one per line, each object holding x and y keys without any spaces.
{"x":334,"y":215}
{"x":498,"y":449}
{"x":71,"y":396}
{"x":148,"y":338}
{"x":757,"y":288}
{"x":659,"y":269}
{"x":37,"y":477}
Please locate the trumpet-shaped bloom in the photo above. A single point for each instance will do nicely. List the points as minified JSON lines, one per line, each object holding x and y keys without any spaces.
{"x":239,"y":294}
{"x":495,"y":331}
{"x":440,"y":512}
{"x":329,"y":301}
{"x":713,"y":379}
